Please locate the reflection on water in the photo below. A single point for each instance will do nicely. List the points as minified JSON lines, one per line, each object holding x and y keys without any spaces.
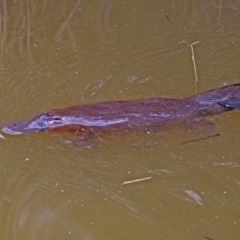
{"x":60,"y":53}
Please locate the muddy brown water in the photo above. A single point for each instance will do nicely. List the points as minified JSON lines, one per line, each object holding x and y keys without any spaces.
{"x":60,"y":53}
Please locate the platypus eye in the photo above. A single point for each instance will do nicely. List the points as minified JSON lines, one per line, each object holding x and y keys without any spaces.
{"x":55,"y":120}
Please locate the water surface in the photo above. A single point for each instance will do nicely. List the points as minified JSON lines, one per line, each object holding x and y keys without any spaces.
{"x":61,"y":53}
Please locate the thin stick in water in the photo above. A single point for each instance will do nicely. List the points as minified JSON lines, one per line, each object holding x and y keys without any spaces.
{"x":200,"y":139}
{"x":136,"y":180}
{"x":194,"y":66}
{"x":168,"y":18}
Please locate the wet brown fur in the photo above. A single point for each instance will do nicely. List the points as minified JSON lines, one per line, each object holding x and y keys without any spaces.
{"x":134,"y":115}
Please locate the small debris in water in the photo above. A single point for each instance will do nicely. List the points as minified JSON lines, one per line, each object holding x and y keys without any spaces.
{"x":148,"y":143}
{"x":168,"y":18}
{"x":208,"y":238}
{"x":195,"y":196}
{"x":200,"y":139}
{"x":1,"y":136}
{"x":136,"y":180}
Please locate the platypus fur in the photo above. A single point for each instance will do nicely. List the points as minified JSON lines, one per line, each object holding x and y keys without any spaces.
{"x":131,"y":115}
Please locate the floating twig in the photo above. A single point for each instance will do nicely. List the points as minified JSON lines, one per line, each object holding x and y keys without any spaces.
{"x":194,"y":66}
{"x":168,"y":18}
{"x":148,"y":144}
{"x":136,"y":180}
{"x":200,"y":139}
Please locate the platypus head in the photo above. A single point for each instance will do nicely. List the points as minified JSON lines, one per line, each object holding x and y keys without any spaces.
{"x":41,"y":122}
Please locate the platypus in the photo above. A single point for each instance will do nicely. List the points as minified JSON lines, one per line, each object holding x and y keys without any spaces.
{"x":131,"y":115}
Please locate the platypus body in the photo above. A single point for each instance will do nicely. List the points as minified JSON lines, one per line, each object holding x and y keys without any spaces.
{"x":133,"y":115}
